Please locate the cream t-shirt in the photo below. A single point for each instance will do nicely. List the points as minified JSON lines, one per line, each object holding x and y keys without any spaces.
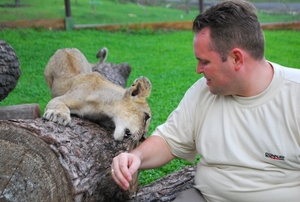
{"x":250,"y":146}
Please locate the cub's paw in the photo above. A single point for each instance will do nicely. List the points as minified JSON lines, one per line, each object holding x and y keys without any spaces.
{"x":56,"y":116}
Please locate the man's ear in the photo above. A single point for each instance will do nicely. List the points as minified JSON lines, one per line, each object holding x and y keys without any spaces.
{"x":237,"y":58}
{"x":139,"y":90}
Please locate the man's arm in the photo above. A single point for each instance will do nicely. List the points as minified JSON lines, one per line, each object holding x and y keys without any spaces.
{"x":152,"y":153}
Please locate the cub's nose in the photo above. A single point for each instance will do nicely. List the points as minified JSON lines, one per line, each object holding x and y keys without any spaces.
{"x":127,"y":133}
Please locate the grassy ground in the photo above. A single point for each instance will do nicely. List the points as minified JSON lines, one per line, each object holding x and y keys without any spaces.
{"x":111,"y":12}
{"x":166,"y":58}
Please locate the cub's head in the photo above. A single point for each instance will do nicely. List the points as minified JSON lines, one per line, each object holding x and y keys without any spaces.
{"x":134,"y":115}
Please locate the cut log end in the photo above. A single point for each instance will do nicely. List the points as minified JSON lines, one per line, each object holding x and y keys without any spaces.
{"x":29,"y":169}
{"x":9,"y":69}
{"x":43,"y":161}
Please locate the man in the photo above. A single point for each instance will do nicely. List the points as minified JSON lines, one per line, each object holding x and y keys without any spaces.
{"x":242,"y":117}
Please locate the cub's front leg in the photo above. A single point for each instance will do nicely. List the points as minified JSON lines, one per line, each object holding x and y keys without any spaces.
{"x":57,"y":111}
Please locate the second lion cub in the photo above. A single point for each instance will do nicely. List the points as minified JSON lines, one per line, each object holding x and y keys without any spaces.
{"x":77,"y":90}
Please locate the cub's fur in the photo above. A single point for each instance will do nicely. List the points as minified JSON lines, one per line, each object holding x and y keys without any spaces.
{"x":77,"y":90}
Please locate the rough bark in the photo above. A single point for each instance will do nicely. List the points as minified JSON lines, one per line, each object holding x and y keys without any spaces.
{"x":167,"y":188}
{"x":9,"y":69}
{"x":116,"y":73}
{"x":44,"y":161}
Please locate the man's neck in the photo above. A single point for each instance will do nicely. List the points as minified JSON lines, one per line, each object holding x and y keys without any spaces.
{"x":259,"y":77}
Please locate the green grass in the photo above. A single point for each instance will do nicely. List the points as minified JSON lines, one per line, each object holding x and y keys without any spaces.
{"x":114,"y":13}
{"x":32,"y":9}
{"x":140,"y":49}
{"x":110,"y":12}
{"x":166,"y":58}
{"x":107,"y":13}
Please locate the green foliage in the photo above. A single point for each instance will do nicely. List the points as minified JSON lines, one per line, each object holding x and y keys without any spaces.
{"x":166,"y":58}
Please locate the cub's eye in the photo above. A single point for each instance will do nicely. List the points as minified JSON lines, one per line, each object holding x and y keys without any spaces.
{"x":146,"y":117}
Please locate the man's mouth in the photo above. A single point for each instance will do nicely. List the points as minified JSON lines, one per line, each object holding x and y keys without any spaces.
{"x":207,"y":80}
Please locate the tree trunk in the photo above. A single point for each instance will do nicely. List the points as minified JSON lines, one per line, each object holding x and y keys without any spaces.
{"x":44,"y":161}
{"x":167,"y":188}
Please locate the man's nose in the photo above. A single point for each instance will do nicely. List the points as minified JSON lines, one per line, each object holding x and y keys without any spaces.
{"x":199,"y":68}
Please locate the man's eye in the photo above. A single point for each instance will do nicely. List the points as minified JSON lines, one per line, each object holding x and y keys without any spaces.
{"x":203,"y":62}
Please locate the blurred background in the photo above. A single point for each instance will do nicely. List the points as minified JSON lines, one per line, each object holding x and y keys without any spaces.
{"x":89,"y":12}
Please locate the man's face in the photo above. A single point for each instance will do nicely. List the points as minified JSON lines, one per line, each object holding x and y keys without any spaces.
{"x":219,"y":75}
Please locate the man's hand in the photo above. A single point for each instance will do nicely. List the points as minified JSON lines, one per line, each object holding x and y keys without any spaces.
{"x":152,"y":153}
{"x":123,"y":167}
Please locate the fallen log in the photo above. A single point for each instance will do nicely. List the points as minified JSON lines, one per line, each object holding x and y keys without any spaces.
{"x":167,"y":188}
{"x":23,"y":111}
{"x":44,"y":161}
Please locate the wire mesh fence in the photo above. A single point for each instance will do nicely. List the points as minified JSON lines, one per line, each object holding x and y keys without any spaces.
{"x":269,"y":10}
{"x":104,"y":12}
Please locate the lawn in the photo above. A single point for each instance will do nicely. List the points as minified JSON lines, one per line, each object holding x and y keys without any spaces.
{"x":165,"y":57}
{"x":115,"y":12}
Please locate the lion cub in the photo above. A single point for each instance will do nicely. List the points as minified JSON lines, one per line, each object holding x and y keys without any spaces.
{"x":77,"y":90}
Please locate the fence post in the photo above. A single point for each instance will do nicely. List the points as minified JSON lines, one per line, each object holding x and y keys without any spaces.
{"x":201,"y":6}
{"x":69,"y":23}
{"x":68,"y":8}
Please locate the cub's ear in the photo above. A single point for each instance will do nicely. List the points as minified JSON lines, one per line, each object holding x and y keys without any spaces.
{"x":139,"y":90}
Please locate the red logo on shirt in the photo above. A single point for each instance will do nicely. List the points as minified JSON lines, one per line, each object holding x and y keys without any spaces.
{"x":274,"y":156}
